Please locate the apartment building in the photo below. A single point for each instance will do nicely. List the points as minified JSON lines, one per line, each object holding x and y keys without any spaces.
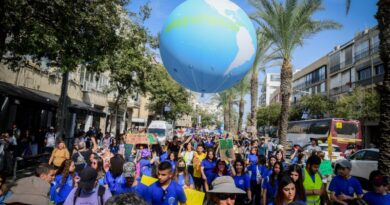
{"x":29,"y":98}
{"x":311,"y":80}
{"x":270,"y":84}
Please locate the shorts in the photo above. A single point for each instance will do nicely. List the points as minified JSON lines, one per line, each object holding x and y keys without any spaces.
{"x":198,"y":181}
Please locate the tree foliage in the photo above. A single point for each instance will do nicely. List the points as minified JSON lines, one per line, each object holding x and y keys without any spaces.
{"x":164,"y":91}
{"x":314,"y":106}
{"x":268,"y":115}
{"x":361,"y":104}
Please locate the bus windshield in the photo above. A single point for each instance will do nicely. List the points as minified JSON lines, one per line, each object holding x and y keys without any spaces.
{"x":158,"y":132}
{"x":347,"y":130}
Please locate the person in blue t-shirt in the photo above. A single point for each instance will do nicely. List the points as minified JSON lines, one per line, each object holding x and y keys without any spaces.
{"x":182,"y":177}
{"x":252,"y":157}
{"x":207,"y":167}
{"x":131,"y":184}
{"x":256,"y":173}
{"x":114,"y":177}
{"x":270,"y":184}
{"x":172,"y":158}
{"x":271,"y":162}
{"x":242,"y":181}
{"x":286,"y":193}
{"x":343,"y":187}
{"x":165,"y":191}
{"x":209,"y":143}
{"x":164,"y":153}
{"x":380,"y":195}
{"x":64,"y":182}
{"x":221,"y":169}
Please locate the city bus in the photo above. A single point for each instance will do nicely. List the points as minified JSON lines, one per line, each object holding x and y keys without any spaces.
{"x":331,"y":130}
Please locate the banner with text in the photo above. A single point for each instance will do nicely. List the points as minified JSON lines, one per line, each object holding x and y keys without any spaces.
{"x":140,"y":138}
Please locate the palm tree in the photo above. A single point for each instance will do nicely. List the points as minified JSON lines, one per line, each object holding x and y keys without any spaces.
{"x":383,"y":17}
{"x":242,"y":88}
{"x":264,"y":55}
{"x":226,"y":99}
{"x":288,"y":25}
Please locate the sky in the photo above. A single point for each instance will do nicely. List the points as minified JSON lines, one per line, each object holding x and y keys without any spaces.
{"x":360,"y":17}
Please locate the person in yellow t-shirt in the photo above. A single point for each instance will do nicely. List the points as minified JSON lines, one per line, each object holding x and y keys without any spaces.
{"x":199,"y":155}
{"x":59,"y":154}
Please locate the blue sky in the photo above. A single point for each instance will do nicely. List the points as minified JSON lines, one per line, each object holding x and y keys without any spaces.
{"x":361,"y":16}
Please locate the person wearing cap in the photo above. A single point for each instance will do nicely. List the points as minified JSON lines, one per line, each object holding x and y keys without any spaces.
{"x":165,"y":191}
{"x":312,"y":181}
{"x":343,"y":187}
{"x":224,"y":191}
{"x":380,"y":195}
{"x":88,"y":190}
{"x":131,"y":184}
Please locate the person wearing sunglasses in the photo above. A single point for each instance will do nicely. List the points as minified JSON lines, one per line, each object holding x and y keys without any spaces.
{"x":224,"y":191}
{"x":165,"y":191}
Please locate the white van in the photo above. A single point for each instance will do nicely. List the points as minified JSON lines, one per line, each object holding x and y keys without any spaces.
{"x":162,"y":129}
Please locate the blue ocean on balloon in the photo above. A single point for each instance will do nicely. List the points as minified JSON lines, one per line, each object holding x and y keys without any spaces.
{"x":208,"y":45}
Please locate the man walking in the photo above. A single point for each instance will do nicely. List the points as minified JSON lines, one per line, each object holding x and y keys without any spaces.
{"x":313,"y":181}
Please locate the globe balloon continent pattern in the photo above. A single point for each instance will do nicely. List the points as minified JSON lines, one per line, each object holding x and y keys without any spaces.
{"x":208,"y":45}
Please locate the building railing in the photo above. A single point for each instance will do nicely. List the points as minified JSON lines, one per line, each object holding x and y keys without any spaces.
{"x":335,"y":68}
{"x":371,"y":80}
{"x":362,"y":54}
{"x":375,"y":48}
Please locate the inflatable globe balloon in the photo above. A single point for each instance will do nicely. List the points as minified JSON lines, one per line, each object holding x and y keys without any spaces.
{"x":208,"y":45}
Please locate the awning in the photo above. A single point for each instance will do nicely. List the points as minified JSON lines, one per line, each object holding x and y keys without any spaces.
{"x":24,"y":93}
{"x":76,"y":106}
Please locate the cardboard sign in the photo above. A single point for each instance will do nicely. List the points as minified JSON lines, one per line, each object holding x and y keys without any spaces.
{"x":226,"y":149}
{"x":194,"y":197}
{"x":326,"y":167}
{"x":147,"y":180}
{"x":141,"y":138}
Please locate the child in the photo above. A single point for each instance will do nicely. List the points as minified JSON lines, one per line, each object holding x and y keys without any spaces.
{"x":380,"y":194}
{"x":343,"y":187}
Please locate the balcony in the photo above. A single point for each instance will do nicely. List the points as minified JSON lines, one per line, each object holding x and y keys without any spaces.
{"x":372,"y":80}
{"x":335,"y":68}
{"x":375,"y":48}
{"x":342,"y":89}
{"x":361,"y":54}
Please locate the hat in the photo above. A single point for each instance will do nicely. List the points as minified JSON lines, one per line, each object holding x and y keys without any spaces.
{"x":30,"y":190}
{"x":88,"y":178}
{"x":145,"y":153}
{"x":225,"y":184}
{"x":344,"y":163}
{"x":129,"y":169}
{"x":380,"y":180}
{"x":280,"y":146}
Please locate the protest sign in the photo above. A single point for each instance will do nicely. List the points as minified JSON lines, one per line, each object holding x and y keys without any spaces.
{"x":226,"y":149}
{"x":326,"y":167}
{"x":147,"y":180}
{"x":140,"y":138}
{"x":194,"y":197}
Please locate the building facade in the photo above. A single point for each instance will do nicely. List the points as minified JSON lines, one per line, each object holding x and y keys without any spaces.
{"x":270,"y":84}
{"x":311,"y":80}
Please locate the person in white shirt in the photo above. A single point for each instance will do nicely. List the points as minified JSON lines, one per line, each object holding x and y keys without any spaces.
{"x":50,"y":139}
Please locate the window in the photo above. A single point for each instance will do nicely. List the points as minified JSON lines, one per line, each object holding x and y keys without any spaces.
{"x":375,"y":44}
{"x":364,"y":73}
{"x":334,"y":62}
{"x":322,"y":72}
{"x":361,"y":50}
{"x":358,"y":155}
{"x":323,"y":88}
{"x":348,"y":55}
{"x":275,"y":77}
{"x":379,"y":69}
{"x":371,"y":155}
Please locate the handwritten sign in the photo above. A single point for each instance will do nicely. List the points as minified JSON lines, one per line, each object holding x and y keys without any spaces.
{"x":140,"y":138}
{"x":194,"y":197}
{"x":147,"y":180}
{"x":226,"y":149}
{"x":326,"y":167}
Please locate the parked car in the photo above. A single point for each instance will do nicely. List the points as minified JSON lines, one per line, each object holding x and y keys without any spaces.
{"x":336,"y":153}
{"x":364,"y":162}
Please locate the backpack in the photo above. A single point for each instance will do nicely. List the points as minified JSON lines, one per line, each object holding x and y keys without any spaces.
{"x":101,"y":191}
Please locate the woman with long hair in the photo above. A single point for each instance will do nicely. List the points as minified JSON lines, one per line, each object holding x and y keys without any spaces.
{"x":188,"y":154}
{"x":242,"y":181}
{"x":270,"y":185}
{"x":271,"y":162}
{"x":286,"y":193}
{"x":172,"y":158}
{"x":280,"y":158}
{"x":59,"y":154}
{"x":114,"y":177}
{"x":207,"y":167}
{"x":220,"y":170}
{"x":295,"y":172}
{"x":97,"y":164}
{"x":257,"y":172}
{"x":181,"y":176}
{"x":64,"y":181}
